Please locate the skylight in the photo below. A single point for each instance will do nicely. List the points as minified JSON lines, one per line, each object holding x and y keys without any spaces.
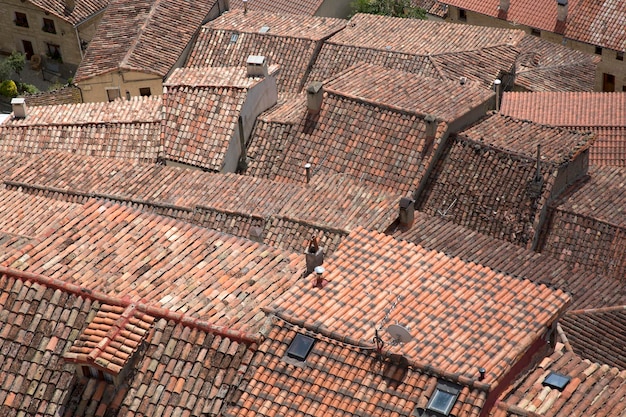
{"x":443,"y":398}
{"x":234,"y":37}
{"x":264,"y":29}
{"x":556,"y":381}
{"x":300,"y":347}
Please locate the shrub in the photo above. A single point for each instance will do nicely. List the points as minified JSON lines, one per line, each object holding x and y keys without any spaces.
{"x":8,"y":89}
{"x":27,"y":88}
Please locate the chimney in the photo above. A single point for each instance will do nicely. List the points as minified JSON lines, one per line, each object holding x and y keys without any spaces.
{"x":256,"y":234}
{"x":307,"y":169}
{"x":245,"y":6}
{"x":257,"y":66}
{"x":431,"y":132}
{"x":496,"y":87}
{"x":561,"y":10}
{"x":70,"y":5}
{"x":407,"y":211}
{"x":320,"y":282}
{"x":504,"y":5}
{"x":314,"y":255}
{"x":314,"y":96}
{"x":19,"y":107}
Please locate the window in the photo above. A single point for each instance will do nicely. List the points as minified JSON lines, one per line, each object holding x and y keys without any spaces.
{"x":598,"y":50}
{"x":300,"y":347}
{"x":54,"y":52}
{"x":443,"y":398}
{"x":48,"y":26}
{"x":234,"y":37}
{"x":112,"y":93}
{"x":264,"y":29}
{"x":535,"y":32}
{"x":21,"y":20}
{"x":619,"y":55}
{"x":145,"y":91}
{"x":608,"y":82}
{"x":557,"y":381}
{"x":462,"y":15}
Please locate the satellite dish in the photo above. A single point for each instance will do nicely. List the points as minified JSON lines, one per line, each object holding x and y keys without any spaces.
{"x":399,"y":333}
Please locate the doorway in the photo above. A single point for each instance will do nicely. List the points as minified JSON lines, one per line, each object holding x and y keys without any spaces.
{"x":28,"y":49}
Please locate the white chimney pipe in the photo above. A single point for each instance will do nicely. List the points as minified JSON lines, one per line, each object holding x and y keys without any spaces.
{"x":496,"y":86}
{"x":19,"y":107}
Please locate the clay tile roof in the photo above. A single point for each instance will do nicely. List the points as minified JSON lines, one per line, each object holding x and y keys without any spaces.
{"x":291,"y":42}
{"x":111,"y":339}
{"x":187,"y":367}
{"x":546,"y":66}
{"x":446,"y":100}
{"x":201,"y":111}
{"x":594,"y":389}
{"x":376,"y":143}
{"x":305,"y":7}
{"x":83,"y":9}
{"x":539,"y":15}
{"x":434,"y":49}
{"x":598,"y":334}
{"x":570,"y":109}
{"x":601,"y":113}
{"x":125,"y":129}
{"x":36,"y":322}
{"x":337,"y":379}
{"x":481,"y":180}
{"x":331,"y":205}
{"x":144,"y":35}
{"x":588,"y":290}
{"x":462,"y":316}
{"x":588,"y":229}
{"x":121,"y":251}
{"x":598,"y":23}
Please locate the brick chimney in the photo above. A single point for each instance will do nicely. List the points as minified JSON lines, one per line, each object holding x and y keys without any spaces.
{"x":561,"y":11}
{"x":407,"y":212}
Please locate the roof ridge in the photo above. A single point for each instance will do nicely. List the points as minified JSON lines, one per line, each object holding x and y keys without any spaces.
{"x":140,"y":32}
{"x":149,"y":309}
{"x":599,"y":310}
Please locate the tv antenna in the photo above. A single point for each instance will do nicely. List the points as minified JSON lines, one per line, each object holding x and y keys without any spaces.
{"x":399,"y":333}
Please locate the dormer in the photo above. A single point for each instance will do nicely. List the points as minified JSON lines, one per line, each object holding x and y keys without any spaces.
{"x":111,"y":344}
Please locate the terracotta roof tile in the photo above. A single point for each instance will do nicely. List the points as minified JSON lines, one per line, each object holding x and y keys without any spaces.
{"x":482,"y":179}
{"x":570,"y":109}
{"x":434,"y":49}
{"x":450,"y":306}
{"x":201,"y":111}
{"x":524,"y":12}
{"x":120,"y":251}
{"x":120,"y":129}
{"x":330,"y":206}
{"x":594,"y":389}
{"x":336,"y":379}
{"x":291,"y":42}
{"x":305,"y":7}
{"x":145,"y":35}
{"x":598,"y":334}
{"x":381,"y":142}
{"x":187,"y":367}
{"x":546,"y":66}
{"x":601,"y":113}
{"x":64,"y":95}
{"x":598,"y":23}
{"x":83,"y":10}
{"x":445,"y":100}
{"x":588,"y":290}
{"x":588,"y":229}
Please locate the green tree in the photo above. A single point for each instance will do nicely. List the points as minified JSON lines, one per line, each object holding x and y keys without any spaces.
{"x":16,"y":62}
{"x":396,"y":8}
{"x":8,"y":89}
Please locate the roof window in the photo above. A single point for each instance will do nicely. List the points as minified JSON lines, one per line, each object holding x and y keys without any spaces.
{"x":300,"y":347}
{"x":234,"y":37}
{"x":443,"y":398}
{"x":264,"y":29}
{"x":556,"y":381}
